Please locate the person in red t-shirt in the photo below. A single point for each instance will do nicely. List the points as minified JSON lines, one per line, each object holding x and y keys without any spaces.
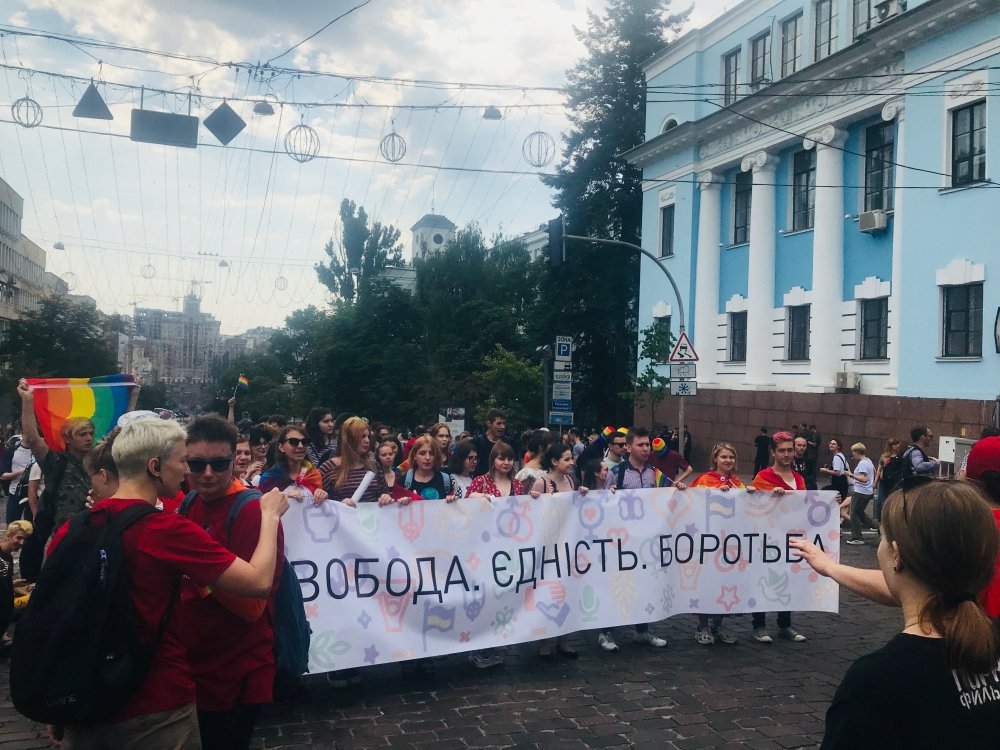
{"x":159,"y":549}
{"x":229,"y":640}
{"x":779,"y":478}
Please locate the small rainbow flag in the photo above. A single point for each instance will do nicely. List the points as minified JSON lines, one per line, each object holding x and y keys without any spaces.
{"x":243,"y":383}
{"x":102,"y":400}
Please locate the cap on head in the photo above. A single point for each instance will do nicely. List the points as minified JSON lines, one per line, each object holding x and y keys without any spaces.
{"x":659,"y":446}
{"x":984,"y":457}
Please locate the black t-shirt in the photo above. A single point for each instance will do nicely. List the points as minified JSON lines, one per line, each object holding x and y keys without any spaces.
{"x":484,"y":446}
{"x":905,"y":696}
{"x":763,"y":445}
{"x":432,"y":490}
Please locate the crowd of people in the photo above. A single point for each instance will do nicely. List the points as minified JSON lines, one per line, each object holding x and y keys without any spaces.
{"x":205,"y":571}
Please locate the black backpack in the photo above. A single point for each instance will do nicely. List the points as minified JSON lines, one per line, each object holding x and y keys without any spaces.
{"x":78,"y":656}
{"x":906,"y":470}
{"x":892,"y":472}
{"x":291,"y":628}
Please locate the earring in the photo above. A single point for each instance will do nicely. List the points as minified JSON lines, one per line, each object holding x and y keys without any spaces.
{"x":897,"y":567}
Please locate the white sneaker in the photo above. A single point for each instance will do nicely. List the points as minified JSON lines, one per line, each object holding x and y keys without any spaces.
{"x":649,"y":638}
{"x":605,"y":641}
{"x":791,"y":635}
{"x":760,"y":635}
{"x":485,"y":659}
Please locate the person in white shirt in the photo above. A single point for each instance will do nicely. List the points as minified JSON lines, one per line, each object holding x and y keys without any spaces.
{"x":864,"y":479}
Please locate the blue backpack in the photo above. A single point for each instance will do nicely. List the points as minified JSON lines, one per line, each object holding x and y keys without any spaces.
{"x":291,"y":628}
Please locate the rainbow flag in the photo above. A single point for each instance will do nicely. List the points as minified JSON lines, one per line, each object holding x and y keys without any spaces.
{"x":243,"y":383}
{"x":102,"y":400}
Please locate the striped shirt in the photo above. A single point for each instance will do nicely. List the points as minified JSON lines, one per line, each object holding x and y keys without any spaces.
{"x":331,"y":471}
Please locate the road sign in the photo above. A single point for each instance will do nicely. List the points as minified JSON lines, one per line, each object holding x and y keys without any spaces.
{"x":683,"y":370}
{"x":683,"y":351}
{"x":683,"y":388}
{"x":558,"y":366}
{"x":564,"y":348}
{"x":562,"y":377}
{"x":562,"y":404}
{"x":562,"y":390}
{"x":560,"y":417}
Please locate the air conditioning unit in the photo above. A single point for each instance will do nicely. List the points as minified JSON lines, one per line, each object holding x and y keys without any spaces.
{"x":886,"y":9}
{"x":872,"y":221}
{"x":847,"y":381}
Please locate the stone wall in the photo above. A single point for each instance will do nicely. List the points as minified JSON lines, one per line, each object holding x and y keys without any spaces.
{"x":737,"y":416}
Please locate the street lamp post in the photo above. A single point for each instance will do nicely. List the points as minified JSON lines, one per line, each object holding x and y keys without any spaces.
{"x":680,"y":309}
{"x":545,"y":352}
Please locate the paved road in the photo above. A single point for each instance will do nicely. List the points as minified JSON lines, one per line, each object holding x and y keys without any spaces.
{"x":682,"y":697}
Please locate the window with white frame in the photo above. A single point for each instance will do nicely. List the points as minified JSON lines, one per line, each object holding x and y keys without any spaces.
{"x":791,"y":45}
{"x":874,"y":330}
{"x":824,"y":29}
{"x":797,"y":333}
{"x":742,"y":192}
{"x":731,"y":77}
{"x":738,"y":336}
{"x":879,"y":166}
{"x":962,"y":320}
{"x":864,"y":16}
{"x":803,"y":189}
{"x":760,"y":58}
{"x":968,"y":144}
{"x":667,"y":231}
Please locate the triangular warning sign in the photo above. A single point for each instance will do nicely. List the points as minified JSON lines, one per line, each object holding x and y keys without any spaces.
{"x":683,"y":351}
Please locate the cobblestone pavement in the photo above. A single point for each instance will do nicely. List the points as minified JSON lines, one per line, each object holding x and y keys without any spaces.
{"x":681,"y":697}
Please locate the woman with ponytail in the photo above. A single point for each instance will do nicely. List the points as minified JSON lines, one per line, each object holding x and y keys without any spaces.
{"x":936,"y":684}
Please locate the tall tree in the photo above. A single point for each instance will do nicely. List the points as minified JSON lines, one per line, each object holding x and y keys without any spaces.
{"x":360,"y":254}
{"x":600,"y":195}
{"x":62,"y":338}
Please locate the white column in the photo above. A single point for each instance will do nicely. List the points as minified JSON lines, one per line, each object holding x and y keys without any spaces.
{"x":827,"y":257}
{"x":894,"y":111}
{"x":706,"y":310}
{"x":760,"y":275}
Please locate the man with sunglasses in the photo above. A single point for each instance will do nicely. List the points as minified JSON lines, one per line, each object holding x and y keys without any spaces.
{"x":616,"y":448}
{"x":229,"y":640}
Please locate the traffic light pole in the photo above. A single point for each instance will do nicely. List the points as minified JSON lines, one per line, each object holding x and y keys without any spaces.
{"x":680,"y":310}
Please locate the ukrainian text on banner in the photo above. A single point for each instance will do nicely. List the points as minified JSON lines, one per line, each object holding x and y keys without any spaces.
{"x":430,"y":578}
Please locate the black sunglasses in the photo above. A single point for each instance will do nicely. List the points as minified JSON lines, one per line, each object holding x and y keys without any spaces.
{"x":296,"y":442}
{"x":619,"y":445}
{"x":198,"y":465}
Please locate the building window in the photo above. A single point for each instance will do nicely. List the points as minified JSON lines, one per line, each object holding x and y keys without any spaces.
{"x":738,"y":337}
{"x":798,"y":333}
{"x":760,"y":59}
{"x":803,"y":189}
{"x":879,"y":154}
{"x":963,"y":321}
{"x":968,"y":144}
{"x":874,"y":328}
{"x":669,"y":124}
{"x":864,"y":16}
{"x":741,"y":202}
{"x":825,"y":30}
{"x":731,"y":77}
{"x":791,"y":45}
{"x":667,"y":231}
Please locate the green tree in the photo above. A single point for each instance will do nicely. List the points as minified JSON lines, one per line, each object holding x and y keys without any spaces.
{"x":155,"y":396}
{"x":652,"y":387}
{"x":360,"y":255}
{"x":62,"y":338}
{"x":594,"y":296}
{"x":269,"y":392}
{"x":513,"y":384}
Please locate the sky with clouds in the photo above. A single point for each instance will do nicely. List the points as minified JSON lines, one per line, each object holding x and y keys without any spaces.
{"x":140,"y":222}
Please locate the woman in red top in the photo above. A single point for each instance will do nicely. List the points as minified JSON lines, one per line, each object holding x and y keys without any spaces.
{"x":499,"y":480}
{"x":722,"y":477}
{"x":779,"y":478}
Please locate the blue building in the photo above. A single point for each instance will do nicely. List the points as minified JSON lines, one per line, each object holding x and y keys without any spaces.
{"x":817,"y":179}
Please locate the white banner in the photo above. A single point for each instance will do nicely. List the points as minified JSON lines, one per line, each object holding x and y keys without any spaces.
{"x":430,"y":578}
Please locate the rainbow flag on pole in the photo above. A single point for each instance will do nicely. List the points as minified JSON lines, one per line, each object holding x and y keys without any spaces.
{"x":243,"y":383}
{"x":102,"y":400}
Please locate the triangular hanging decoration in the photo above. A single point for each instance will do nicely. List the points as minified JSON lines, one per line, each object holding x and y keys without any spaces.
{"x":92,"y":106}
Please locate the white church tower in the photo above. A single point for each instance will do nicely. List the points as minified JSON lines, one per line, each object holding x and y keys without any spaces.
{"x":430,"y":234}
